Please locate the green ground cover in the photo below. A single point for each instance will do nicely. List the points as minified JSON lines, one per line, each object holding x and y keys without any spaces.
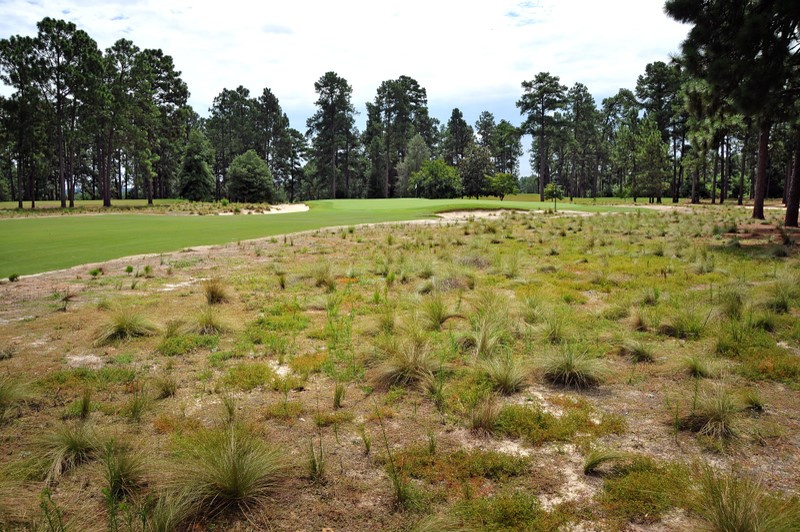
{"x":39,"y":244}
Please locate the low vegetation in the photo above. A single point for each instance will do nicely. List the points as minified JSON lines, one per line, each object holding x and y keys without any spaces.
{"x":512,"y":372}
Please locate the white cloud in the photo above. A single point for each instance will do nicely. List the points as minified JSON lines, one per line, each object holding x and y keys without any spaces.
{"x":472,"y":56}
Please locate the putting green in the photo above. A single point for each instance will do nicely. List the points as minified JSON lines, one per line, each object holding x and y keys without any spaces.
{"x":39,"y":244}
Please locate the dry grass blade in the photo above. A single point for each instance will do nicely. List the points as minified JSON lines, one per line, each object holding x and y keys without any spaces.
{"x":215,"y":291}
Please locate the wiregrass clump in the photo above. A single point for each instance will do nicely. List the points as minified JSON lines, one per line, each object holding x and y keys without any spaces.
{"x":215,"y":291}
{"x":12,"y":393}
{"x":732,"y":501}
{"x":715,"y":415}
{"x":409,"y":361}
{"x":65,"y":448}
{"x":124,"y":325}
{"x":223,"y":469}
{"x":506,"y":372}
{"x":573,"y":368}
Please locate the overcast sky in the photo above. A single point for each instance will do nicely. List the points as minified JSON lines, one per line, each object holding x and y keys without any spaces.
{"x":470,"y":56}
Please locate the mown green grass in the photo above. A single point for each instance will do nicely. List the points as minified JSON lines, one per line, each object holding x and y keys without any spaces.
{"x":34,"y":245}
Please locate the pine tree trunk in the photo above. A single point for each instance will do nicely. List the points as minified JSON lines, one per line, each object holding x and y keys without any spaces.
{"x":760,"y":192}
{"x":793,"y":201}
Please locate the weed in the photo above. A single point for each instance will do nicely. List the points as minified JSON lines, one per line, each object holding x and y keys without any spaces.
{"x":316,"y":462}
{"x":138,"y":403}
{"x":338,"y":395}
{"x":246,"y":376}
{"x":82,"y":407}
{"x":487,"y":334}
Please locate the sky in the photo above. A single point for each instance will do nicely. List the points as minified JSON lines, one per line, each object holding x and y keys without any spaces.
{"x":473,"y":56}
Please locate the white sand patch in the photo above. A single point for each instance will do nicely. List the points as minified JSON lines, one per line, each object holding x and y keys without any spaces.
{"x":284,"y":208}
{"x":84,"y":361}
{"x":174,"y":286}
{"x":281,"y":371}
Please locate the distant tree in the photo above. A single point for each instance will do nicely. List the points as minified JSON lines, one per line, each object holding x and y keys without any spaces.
{"x":502,"y":184}
{"x":249,"y":179}
{"x":746,"y":51}
{"x":475,"y":169}
{"x":651,"y":159}
{"x":196,"y":176}
{"x":399,"y":111}
{"x":417,"y":154}
{"x":554,"y":192}
{"x":506,"y":147}
{"x":436,"y":179}
{"x":484,"y":129}
{"x":457,"y":137}
{"x":542,"y":97}
{"x":330,"y":129}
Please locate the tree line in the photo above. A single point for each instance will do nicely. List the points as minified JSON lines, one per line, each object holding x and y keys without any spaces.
{"x":719,"y":121}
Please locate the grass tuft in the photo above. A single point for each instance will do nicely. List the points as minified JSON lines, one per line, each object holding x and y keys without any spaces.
{"x":215,"y":291}
{"x":122,"y":326}
{"x":636,"y":351}
{"x":506,"y":372}
{"x":227,"y":469}
{"x":67,"y":447}
{"x":715,"y":415}
{"x":735,"y":502}
{"x":572,"y":368}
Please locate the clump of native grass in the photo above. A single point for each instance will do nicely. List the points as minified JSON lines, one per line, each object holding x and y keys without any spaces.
{"x":434,"y":312}
{"x":225,"y":469}
{"x":65,"y":448}
{"x":123,"y":325}
{"x":596,"y":458}
{"x":483,"y":415}
{"x":636,"y":351}
{"x":12,"y":393}
{"x":409,"y":360}
{"x":123,"y":469}
{"x":209,"y":323}
{"x":506,"y":372}
{"x":700,"y":367}
{"x":573,"y":367}
{"x":732,"y":501}
{"x":714,"y":414}
{"x":215,"y":291}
